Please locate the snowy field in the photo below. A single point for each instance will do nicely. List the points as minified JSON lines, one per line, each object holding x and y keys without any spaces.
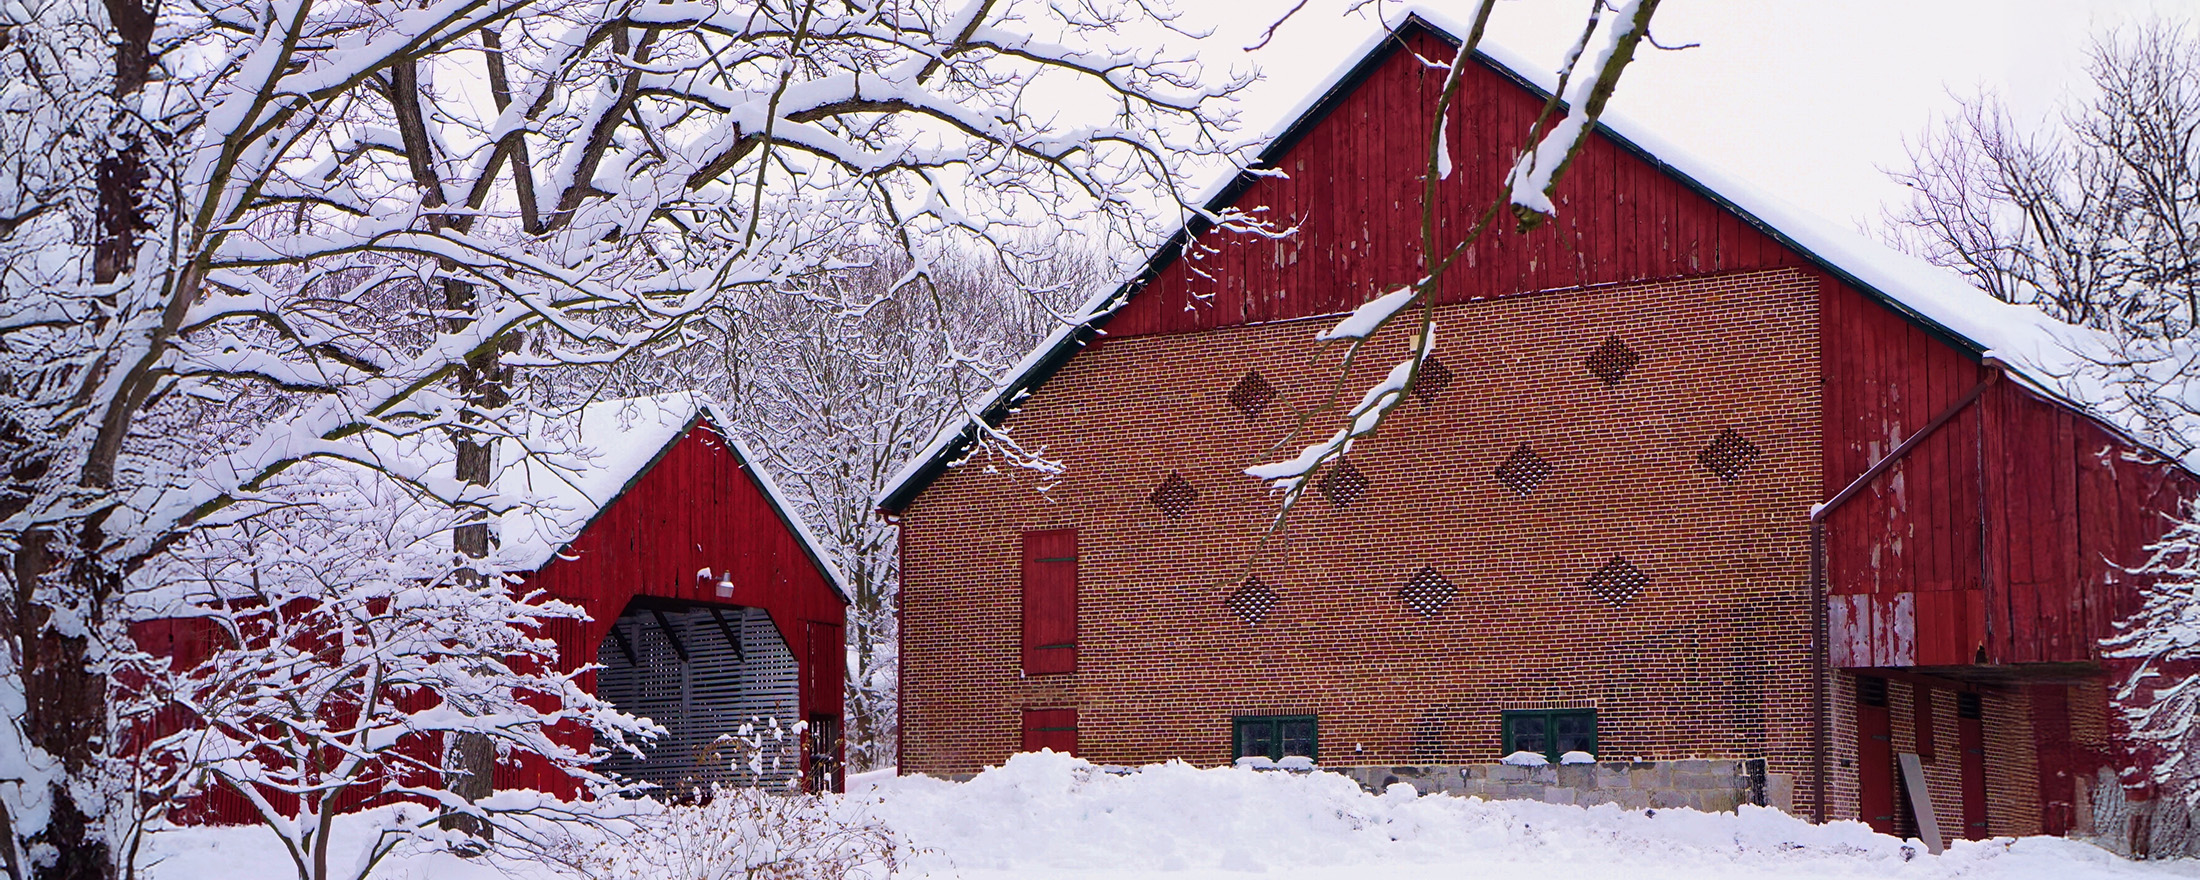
{"x":1053,"y":816}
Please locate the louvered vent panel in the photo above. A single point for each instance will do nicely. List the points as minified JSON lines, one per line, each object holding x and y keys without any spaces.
{"x":723,"y":684}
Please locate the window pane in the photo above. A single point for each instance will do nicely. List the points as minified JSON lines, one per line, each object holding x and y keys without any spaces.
{"x":1574,"y":732}
{"x":1528,"y":734}
{"x":1298,"y":738}
{"x":1255,"y":738}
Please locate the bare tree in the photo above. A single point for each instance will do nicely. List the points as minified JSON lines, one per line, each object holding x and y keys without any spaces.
{"x":2093,"y":217}
{"x":243,"y":235}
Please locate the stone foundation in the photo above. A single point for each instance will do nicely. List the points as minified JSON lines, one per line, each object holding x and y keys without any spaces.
{"x":1708,"y":785}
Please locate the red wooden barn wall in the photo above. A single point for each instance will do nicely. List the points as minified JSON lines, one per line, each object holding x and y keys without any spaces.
{"x":1355,"y":182}
{"x":1937,"y":564}
{"x":696,"y":508}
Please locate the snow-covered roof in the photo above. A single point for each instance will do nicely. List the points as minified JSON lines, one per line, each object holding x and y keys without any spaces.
{"x":616,"y":441}
{"x":2036,"y":348}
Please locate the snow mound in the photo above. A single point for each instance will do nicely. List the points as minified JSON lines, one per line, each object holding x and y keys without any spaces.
{"x":1047,"y":812}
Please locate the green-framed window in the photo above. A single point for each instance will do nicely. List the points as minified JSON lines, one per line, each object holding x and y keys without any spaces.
{"x":1275,"y":737}
{"x":1550,"y":732}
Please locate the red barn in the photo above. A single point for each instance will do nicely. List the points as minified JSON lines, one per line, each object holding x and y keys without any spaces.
{"x":1691,"y":476}
{"x":710,"y":606}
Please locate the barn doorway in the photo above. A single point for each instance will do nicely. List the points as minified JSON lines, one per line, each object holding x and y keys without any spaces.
{"x":703,"y":672}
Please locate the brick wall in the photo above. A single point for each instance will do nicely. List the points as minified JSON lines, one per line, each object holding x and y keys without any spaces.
{"x":1710,"y":660}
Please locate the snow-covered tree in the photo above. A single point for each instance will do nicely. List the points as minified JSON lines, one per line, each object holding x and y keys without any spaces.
{"x":334,"y":652}
{"x":2094,"y":217}
{"x":237,"y":235}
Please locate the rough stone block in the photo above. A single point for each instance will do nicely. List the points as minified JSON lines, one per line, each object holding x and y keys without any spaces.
{"x":1577,"y":775}
{"x":1693,"y":765}
{"x":1780,"y":792}
{"x":1509,"y":773}
{"x":1717,"y":801}
{"x":1669,"y":799}
{"x":1649,"y":777}
{"x":1558,"y":795}
{"x":1631,"y":800}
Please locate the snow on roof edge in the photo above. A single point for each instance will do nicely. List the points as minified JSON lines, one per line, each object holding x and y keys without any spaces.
{"x":2035,"y":348}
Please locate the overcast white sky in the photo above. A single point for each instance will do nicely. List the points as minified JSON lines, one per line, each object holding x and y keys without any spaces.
{"x":1807,"y":99}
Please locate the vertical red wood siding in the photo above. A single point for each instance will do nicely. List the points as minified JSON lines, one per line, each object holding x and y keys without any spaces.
{"x":1354,"y":186}
{"x":1050,"y":729}
{"x":2004,"y":537}
{"x":1050,"y":601}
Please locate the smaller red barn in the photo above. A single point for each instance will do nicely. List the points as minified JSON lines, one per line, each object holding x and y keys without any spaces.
{"x":710,"y":605}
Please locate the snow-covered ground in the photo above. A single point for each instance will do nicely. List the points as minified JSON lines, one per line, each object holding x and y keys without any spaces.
{"x":1053,"y":816}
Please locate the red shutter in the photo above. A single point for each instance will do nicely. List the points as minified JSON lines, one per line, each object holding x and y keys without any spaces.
{"x":1050,"y":601}
{"x":1875,"y":766}
{"x":1050,"y":729}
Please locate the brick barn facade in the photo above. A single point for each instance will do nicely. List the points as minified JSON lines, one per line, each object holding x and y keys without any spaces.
{"x":1681,"y":487}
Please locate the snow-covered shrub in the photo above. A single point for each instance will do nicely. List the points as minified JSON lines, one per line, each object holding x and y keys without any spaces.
{"x":741,"y":834}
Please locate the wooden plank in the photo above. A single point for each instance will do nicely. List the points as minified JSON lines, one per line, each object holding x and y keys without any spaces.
{"x":1921,"y":802}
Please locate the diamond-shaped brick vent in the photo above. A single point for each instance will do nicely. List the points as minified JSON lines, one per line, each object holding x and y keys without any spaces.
{"x":1252,"y":394}
{"x":1427,"y":592}
{"x":1523,"y":470}
{"x":1343,"y":483}
{"x":1618,"y":582}
{"x":1728,"y":455}
{"x":1253,"y":601}
{"x":1612,"y":361}
{"x":1174,"y":496}
{"x":1434,"y":378}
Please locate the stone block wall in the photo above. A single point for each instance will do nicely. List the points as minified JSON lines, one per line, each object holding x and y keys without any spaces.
{"x":1708,"y":785}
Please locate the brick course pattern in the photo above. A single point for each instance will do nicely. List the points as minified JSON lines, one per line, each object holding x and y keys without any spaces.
{"x":1709,"y":660}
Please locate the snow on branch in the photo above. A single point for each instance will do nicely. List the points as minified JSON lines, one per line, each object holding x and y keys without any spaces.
{"x":1534,"y":175}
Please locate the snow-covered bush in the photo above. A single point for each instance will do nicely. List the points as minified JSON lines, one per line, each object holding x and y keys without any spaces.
{"x":741,"y":834}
